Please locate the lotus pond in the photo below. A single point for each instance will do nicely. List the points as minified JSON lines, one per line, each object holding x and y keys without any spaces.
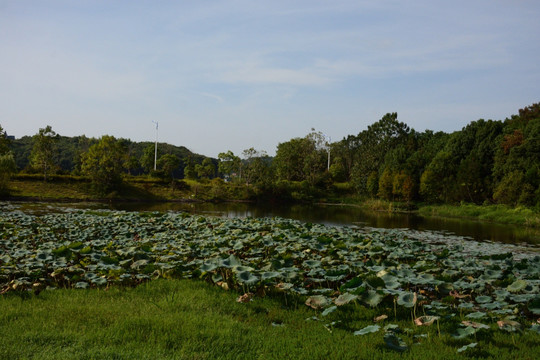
{"x":464,"y":288}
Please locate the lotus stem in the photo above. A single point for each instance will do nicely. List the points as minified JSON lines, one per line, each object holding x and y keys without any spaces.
{"x":395,"y":310}
{"x":438,"y":328}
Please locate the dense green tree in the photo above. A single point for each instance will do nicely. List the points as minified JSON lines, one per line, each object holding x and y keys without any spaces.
{"x":7,"y":161}
{"x":44,"y":151}
{"x":302,"y":158}
{"x":148,"y":157}
{"x":230,"y":165}
{"x":289,"y":159}
{"x":386,"y":183}
{"x":256,"y":168}
{"x":517,"y":159}
{"x":168,"y":163}
{"x":4,"y":142}
{"x":104,"y":163}
{"x":346,"y":152}
{"x":206,"y":170}
{"x":7,"y":169}
{"x":372,"y":185}
{"x":374,"y":144}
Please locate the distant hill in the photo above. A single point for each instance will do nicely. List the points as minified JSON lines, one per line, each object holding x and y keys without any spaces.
{"x":70,"y":149}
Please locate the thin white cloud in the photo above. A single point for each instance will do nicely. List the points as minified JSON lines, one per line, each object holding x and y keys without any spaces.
{"x":252,"y":74}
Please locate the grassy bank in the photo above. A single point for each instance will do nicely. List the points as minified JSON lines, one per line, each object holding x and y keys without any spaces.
{"x":494,"y":213}
{"x":186,"y":319}
{"x":133,"y":189}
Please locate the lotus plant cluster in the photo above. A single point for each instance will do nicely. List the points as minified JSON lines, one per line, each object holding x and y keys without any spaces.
{"x":331,"y":269}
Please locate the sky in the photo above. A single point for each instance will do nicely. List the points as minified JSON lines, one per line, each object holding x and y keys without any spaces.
{"x":236,"y":74}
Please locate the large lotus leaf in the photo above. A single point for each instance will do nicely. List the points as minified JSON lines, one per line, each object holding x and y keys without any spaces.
{"x":492,"y":274}
{"x":391,"y":282}
{"x":367,"y":330}
{"x":462,"y":333}
{"x":501,"y":294}
{"x":517,"y":286}
{"x":230,"y":262}
{"x":81,"y":285}
{"x":467,"y":347}
{"x":494,"y":305}
{"x":318,"y":301}
{"x":521,"y":298}
{"x":534,"y":305}
{"x":241,"y":268}
{"x":312,"y":263}
{"x":270,"y":275}
{"x":246,"y":277}
{"x":207,"y":267}
{"x":407,"y":299}
{"x":329,"y":310}
{"x":475,"y":325}
{"x":284,"y":286}
{"x":99,"y":281}
{"x":425,"y":320}
{"x":476,"y":315}
{"x":535,"y":328}
{"x":372,"y":298}
{"x":345,"y":299}
{"x":139,"y":263}
{"x":508,"y":325}
{"x":394,"y":342}
{"x":483,"y":299}
{"x":445,"y":288}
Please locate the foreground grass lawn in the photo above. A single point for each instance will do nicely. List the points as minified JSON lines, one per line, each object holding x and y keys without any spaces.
{"x":187,"y":319}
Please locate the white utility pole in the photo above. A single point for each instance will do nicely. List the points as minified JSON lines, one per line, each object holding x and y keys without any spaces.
{"x":155,"y":148}
{"x":328,"y":148}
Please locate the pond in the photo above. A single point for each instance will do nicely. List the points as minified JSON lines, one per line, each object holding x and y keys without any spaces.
{"x":324,"y":214}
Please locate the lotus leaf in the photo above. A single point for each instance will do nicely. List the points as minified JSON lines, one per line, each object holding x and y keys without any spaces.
{"x":483,"y":299}
{"x":475,"y":325}
{"x":508,"y":325}
{"x":534,"y":305}
{"x":476,"y":315}
{"x":462,"y":333}
{"x":407,"y":299}
{"x":246,"y":277}
{"x":467,"y":347}
{"x":329,"y":310}
{"x":81,"y":285}
{"x":394,"y":342}
{"x":207,"y":267}
{"x":372,"y":298}
{"x":517,"y":286}
{"x":270,"y":275}
{"x":139,"y":263}
{"x":312,"y":263}
{"x":425,"y":320}
{"x":99,"y":281}
{"x":345,"y":299}
{"x":318,"y":301}
{"x":367,"y":330}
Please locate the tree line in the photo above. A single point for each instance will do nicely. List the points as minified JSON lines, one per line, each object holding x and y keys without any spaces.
{"x":488,"y":161}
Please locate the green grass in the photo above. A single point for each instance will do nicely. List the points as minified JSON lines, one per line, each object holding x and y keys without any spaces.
{"x":186,"y":319}
{"x":495,"y":213}
{"x":49,"y":190}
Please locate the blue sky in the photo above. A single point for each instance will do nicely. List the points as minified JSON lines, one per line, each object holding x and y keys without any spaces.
{"x":230,"y":75}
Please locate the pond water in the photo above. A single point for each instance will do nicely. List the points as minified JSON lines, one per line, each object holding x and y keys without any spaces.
{"x":325,"y":214}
